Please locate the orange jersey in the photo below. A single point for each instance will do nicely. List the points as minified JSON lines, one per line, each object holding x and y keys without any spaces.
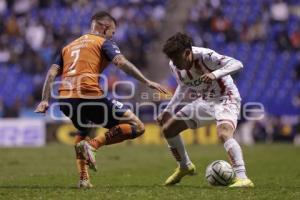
{"x":82,"y":61}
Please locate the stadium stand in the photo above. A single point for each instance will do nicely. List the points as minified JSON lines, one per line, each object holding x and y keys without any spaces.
{"x":33,"y":31}
{"x":263,"y":34}
{"x":266,"y":43}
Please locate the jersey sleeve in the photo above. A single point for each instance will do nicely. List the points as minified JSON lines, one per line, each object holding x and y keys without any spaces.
{"x":58,"y":59}
{"x":110,"y":49}
{"x":180,"y":91}
{"x":220,"y":65}
{"x":177,"y":98}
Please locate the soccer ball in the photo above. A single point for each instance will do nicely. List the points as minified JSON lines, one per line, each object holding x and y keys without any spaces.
{"x":219,"y":173}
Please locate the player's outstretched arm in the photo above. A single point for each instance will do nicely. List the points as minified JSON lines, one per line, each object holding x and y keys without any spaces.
{"x":131,"y":70}
{"x":51,"y":75}
{"x":177,"y":98}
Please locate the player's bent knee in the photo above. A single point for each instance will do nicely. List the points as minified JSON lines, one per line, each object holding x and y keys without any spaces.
{"x":173,"y":128}
{"x":166,"y":130}
{"x":140,"y":126}
{"x":136,"y":123}
{"x":224,"y":137}
{"x":225,"y":131}
{"x":140,"y":130}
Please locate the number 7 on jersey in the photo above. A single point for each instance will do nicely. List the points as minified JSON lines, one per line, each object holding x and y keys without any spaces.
{"x":75,"y":54}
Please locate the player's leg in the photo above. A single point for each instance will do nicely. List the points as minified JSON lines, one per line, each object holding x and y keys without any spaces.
{"x":187,"y":117}
{"x":121,"y":122}
{"x":192,"y":116}
{"x":129,"y":127}
{"x":225,"y":131}
{"x":81,"y":163}
{"x":69,"y":108}
{"x":171,"y":131}
{"x":226,"y":116}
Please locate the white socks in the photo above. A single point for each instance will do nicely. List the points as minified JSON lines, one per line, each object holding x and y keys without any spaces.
{"x":178,"y":150}
{"x":235,"y":154}
{"x":232,"y":147}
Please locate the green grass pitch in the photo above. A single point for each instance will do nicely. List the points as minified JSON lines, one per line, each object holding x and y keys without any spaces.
{"x":137,"y":172}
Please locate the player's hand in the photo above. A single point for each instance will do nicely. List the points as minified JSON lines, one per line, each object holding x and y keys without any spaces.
{"x":208,"y":78}
{"x":42,"y":107}
{"x":157,"y":87}
{"x":163,"y":118}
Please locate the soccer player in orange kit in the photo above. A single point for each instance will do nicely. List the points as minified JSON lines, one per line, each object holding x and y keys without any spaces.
{"x":82,"y":99}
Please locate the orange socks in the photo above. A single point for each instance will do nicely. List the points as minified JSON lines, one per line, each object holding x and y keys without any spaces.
{"x":98,"y":141}
{"x":80,"y":161}
{"x":114,"y":135}
{"x":82,"y":169}
{"x":118,"y":134}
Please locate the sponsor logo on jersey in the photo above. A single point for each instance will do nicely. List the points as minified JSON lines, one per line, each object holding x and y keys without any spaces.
{"x":116,"y":48}
{"x":193,"y":83}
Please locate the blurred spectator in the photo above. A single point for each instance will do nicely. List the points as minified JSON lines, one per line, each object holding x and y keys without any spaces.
{"x":297,"y":68}
{"x":12,"y":111}
{"x":296,"y":100}
{"x":44,"y":3}
{"x":279,"y":11}
{"x":118,"y":12}
{"x":5,"y":54}
{"x":158,"y":13}
{"x":31,"y":62}
{"x":219,"y":22}
{"x":3,"y":6}
{"x":259,"y":132}
{"x":35,"y":34}
{"x":27,"y":109}
{"x":21,"y":7}
{"x":254,"y":33}
{"x":1,"y":107}
{"x":215,"y":3}
{"x":201,"y":15}
{"x":266,"y":15}
{"x":80,"y":3}
{"x":65,"y":3}
{"x":12,"y":26}
{"x":274,"y":128}
{"x":295,"y":39}
{"x":37,"y":93}
{"x":283,"y":41}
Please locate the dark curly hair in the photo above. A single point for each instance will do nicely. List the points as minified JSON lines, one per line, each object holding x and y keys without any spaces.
{"x":176,"y":44}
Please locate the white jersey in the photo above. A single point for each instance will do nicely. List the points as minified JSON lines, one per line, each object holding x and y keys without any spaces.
{"x":205,"y":61}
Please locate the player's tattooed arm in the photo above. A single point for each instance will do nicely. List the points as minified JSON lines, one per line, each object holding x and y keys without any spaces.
{"x":131,"y":70}
{"x":51,"y":75}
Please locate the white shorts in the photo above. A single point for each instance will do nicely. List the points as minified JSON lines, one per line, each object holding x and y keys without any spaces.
{"x":200,"y":113}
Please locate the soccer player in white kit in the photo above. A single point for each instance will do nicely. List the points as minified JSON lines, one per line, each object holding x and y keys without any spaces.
{"x":205,"y":93}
